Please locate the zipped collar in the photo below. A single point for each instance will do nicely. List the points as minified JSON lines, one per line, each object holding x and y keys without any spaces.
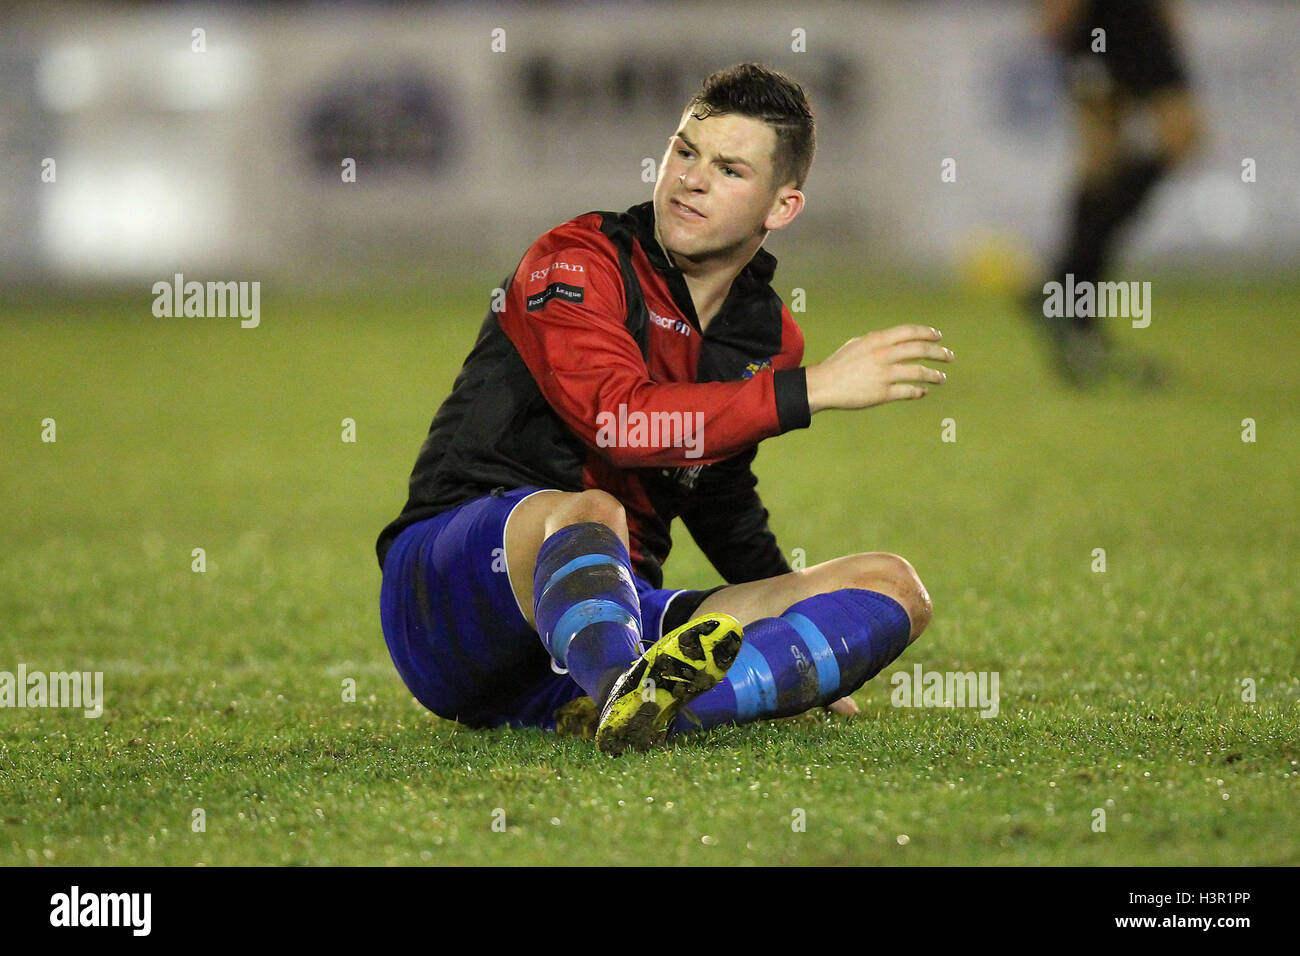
{"x":759,"y":270}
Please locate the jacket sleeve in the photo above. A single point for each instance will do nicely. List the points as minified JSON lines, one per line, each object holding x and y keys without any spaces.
{"x":566,"y":314}
{"x":729,"y":523}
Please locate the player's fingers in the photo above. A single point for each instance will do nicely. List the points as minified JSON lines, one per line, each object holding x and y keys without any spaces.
{"x":904,"y":392}
{"x":907,"y":333}
{"x":845,"y":706}
{"x":916,"y":373}
{"x":910,"y":351}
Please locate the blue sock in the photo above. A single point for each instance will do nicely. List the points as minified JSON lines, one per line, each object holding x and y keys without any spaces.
{"x":821,"y":649}
{"x":587,"y":610}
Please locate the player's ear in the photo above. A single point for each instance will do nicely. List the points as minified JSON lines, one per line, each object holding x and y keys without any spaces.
{"x":786,"y":205}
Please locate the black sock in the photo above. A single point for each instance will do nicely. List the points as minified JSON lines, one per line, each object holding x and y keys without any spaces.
{"x":1099,"y":212}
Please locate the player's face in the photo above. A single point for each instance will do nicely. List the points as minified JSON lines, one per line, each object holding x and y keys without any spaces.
{"x":716,"y":193}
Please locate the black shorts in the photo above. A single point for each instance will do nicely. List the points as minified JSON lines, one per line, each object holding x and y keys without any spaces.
{"x":682,"y":608}
{"x":1141,"y":58}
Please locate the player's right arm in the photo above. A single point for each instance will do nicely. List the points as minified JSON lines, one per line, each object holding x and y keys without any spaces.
{"x":877,"y":368}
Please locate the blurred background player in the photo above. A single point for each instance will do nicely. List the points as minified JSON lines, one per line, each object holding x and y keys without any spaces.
{"x":1137,"y":119}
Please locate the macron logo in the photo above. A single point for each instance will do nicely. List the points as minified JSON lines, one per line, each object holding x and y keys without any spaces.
{"x":102,"y":909}
{"x":675,"y":325}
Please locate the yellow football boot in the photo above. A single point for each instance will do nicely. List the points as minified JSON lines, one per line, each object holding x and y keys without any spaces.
{"x":674,"y":671}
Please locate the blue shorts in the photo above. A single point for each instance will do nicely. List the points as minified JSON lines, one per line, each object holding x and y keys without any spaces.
{"x":455,"y":630}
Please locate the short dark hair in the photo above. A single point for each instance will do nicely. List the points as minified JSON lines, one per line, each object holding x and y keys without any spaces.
{"x":751,"y":89}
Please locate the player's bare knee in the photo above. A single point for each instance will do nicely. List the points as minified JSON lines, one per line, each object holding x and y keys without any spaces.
{"x":584,"y":506}
{"x":920,"y":608}
{"x":911,"y":593}
{"x":894,"y":576}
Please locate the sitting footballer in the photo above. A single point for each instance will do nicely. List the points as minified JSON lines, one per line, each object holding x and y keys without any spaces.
{"x":625,"y":379}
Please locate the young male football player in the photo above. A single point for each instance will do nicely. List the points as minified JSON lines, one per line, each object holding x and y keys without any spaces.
{"x":639,"y":359}
{"x":1124,"y":65}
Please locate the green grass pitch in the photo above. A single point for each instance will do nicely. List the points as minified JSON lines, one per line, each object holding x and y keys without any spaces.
{"x":1120,"y":691}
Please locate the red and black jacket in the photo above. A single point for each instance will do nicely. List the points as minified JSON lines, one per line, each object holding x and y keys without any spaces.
{"x":596,"y":319}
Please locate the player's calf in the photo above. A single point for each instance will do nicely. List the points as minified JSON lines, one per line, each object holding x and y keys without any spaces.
{"x":586,"y":606}
{"x":541,"y":515}
{"x":852,"y":616}
{"x":579,"y":586}
{"x":818,"y":651}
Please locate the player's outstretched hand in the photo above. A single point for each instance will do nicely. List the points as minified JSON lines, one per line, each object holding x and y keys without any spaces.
{"x":877,"y":368}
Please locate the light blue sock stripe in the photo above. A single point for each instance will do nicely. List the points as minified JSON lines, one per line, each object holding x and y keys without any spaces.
{"x":582,"y":614}
{"x":751,"y":679}
{"x":828,"y":668}
{"x":583,"y":561}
